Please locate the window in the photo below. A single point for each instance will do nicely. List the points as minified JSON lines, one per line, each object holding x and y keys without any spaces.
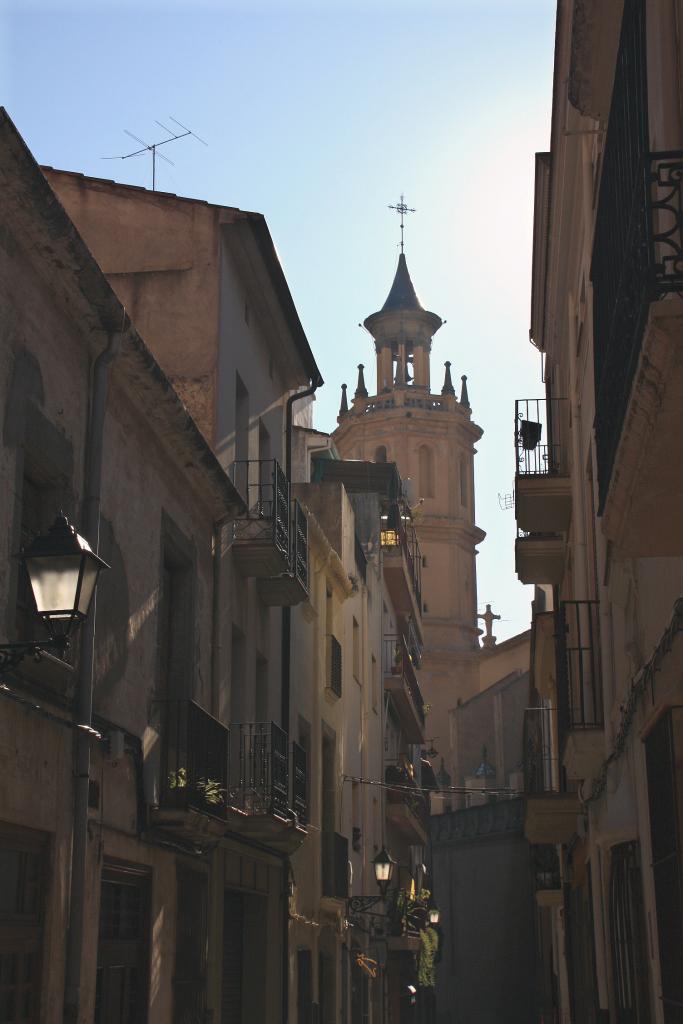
{"x":261,"y":690}
{"x":121,"y":993}
{"x":241,"y":436}
{"x":22,"y":867}
{"x":238,"y":688}
{"x":356,"y":652}
{"x":426,"y":469}
{"x":304,"y":987}
{"x":463,"y":483}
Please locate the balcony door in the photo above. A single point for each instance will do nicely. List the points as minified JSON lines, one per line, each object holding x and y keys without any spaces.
{"x":22,"y":884}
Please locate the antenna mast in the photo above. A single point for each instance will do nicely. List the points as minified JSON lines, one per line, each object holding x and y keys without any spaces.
{"x":152,"y":147}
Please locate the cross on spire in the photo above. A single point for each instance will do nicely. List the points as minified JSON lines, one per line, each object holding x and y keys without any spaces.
{"x":402,"y":209}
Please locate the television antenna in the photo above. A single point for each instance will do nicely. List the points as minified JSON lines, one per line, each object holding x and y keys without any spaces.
{"x":147,"y":147}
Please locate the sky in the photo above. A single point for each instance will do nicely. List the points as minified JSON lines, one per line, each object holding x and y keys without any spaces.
{"x":319,"y":115}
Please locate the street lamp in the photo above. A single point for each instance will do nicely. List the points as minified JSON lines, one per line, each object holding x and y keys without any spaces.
{"x":384,"y":870}
{"x":63,"y":572}
{"x":383,"y":865}
{"x":434,"y":915}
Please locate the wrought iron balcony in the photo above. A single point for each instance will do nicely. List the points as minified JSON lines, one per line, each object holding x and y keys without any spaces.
{"x":401,"y":681}
{"x":579,"y":688}
{"x":300,"y":783}
{"x":638,"y":239}
{"x":193,"y":765}
{"x":291,"y":586}
{"x":261,"y":537}
{"x":579,"y":681}
{"x":540,"y":436}
{"x":407,"y":806}
{"x":335,"y":864}
{"x":543,"y":498}
{"x":402,"y":562}
{"x":259,"y":769}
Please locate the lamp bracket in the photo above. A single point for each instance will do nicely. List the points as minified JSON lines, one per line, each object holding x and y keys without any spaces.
{"x":363,"y":904}
{"x":11,"y":655}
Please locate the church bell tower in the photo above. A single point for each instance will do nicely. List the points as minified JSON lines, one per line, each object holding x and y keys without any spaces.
{"x":431,"y":437}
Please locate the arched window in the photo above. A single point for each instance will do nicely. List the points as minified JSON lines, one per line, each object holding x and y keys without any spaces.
{"x":426,"y":465}
{"x":381,"y":454}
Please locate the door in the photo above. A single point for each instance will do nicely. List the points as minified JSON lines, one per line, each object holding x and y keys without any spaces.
{"x":122,"y":950}
{"x":233,"y":957}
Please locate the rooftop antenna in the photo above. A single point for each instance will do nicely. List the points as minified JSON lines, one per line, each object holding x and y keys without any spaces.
{"x":402,"y":209}
{"x":147,"y":147}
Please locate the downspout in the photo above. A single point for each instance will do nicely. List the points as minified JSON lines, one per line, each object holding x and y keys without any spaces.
{"x":285,"y":687}
{"x":84,"y":702}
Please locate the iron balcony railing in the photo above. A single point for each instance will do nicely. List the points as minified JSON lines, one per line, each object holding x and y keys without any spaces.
{"x":398,"y":532}
{"x":397,"y":661}
{"x":334,"y":665}
{"x":579,"y":684}
{"x":540,"y":436}
{"x":299,"y":555}
{"x":265,"y":488}
{"x":300,"y":783}
{"x":194,"y":758}
{"x":259,"y":769}
{"x":335,"y":856}
{"x":638,"y":239}
{"x":540,"y":760}
{"x":402,"y":788}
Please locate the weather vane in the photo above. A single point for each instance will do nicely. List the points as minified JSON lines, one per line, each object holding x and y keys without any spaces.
{"x":152,"y":147}
{"x":402,"y":209}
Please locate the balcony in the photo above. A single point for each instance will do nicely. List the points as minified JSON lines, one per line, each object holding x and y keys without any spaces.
{"x":402,"y":563}
{"x":407,"y":807}
{"x":335,"y":865}
{"x":540,"y":557}
{"x":291,"y":587}
{"x":261,"y":542}
{"x":549,"y":813}
{"x":579,"y":688}
{"x":637,"y":275}
{"x":188,"y":764}
{"x":259,"y":806}
{"x":401,"y":682}
{"x":543,"y":500}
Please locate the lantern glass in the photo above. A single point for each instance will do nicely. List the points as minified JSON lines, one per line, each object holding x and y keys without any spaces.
{"x":63,"y":574}
{"x":384,"y":869}
{"x":434,"y":915}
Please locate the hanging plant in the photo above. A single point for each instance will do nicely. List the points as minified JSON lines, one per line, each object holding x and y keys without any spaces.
{"x":426,"y":964}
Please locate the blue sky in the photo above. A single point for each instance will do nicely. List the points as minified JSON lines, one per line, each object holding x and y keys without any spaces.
{"x":319,"y":115}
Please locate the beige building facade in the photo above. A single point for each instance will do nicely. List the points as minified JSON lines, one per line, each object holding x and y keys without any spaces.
{"x":598,"y":507}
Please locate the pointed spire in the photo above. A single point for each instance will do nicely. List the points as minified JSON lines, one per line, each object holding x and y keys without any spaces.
{"x":344,"y":407}
{"x":399,"y":378}
{"x":464,"y":398}
{"x":402,"y":294}
{"x":447,"y":388}
{"x":361,"y":390}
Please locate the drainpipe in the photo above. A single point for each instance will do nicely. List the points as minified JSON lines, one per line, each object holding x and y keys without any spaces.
{"x":83,"y":711}
{"x":285,"y":677}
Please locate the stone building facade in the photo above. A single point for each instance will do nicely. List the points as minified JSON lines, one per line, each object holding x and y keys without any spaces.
{"x":598,"y":497}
